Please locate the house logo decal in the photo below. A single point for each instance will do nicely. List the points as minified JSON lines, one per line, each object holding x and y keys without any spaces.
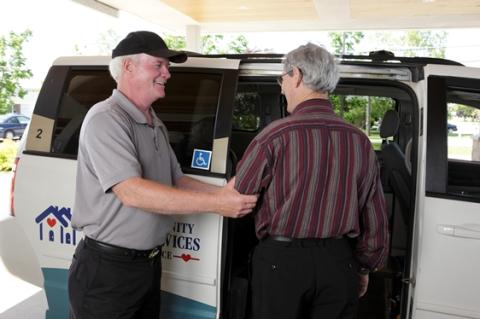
{"x":54,"y":226}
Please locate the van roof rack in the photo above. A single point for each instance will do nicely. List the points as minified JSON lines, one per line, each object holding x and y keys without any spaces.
{"x":244,"y":57}
{"x":388,"y":56}
{"x":380,"y":56}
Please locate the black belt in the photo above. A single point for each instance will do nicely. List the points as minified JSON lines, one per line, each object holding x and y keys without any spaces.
{"x":120,"y":251}
{"x":302,"y":241}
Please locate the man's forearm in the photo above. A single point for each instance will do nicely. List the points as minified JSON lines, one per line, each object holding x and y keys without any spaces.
{"x":188,"y":183}
{"x":163,"y":199}
{"x":158,"y":198}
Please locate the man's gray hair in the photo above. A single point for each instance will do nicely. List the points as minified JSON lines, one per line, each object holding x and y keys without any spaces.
{"x":116,"y":65}
{"x":318,"y":66}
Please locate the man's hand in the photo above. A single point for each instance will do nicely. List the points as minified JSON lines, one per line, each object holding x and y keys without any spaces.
{"x":362,"y":285}
{"x":232,"y":203}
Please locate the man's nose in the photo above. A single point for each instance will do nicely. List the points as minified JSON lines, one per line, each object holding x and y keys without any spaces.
{"x":166,"y":73}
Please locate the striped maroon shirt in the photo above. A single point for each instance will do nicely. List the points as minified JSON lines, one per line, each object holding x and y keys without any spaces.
{"x":319,"y":178}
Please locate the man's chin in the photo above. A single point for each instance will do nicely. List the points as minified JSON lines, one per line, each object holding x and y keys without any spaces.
{"x":160,"y":91}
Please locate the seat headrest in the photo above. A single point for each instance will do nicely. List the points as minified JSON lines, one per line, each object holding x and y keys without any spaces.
{"x":390,"y":123}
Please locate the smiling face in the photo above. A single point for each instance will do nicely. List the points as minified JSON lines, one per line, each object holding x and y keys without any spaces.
{"x":147,"y":76}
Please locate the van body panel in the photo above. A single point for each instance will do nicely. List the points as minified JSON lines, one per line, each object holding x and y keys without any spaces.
{"x":45,"y":218}
{"x":447,"y":227}
{"x":190,"y":255}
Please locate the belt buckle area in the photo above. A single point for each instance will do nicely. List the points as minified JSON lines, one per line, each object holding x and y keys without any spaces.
{"x":153,"y":253}
{"x":282,"y":239}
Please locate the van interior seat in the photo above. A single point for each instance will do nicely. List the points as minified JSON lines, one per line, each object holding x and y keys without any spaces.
{"x":396,"y":174}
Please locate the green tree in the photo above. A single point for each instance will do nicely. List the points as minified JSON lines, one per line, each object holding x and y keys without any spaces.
{"x":354,"y":108}
{"x":345,"y":42}
{"x":175,"y":42}
{"x":12,"y":69}
{"x":412,"y":43}
{"x":464,"y":111}
{"x":212,"y":44}
{"x":239,"y":45}
{"x":425,"y":43}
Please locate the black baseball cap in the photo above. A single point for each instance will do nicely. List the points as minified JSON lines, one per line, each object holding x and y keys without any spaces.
{"x":149,"y":43}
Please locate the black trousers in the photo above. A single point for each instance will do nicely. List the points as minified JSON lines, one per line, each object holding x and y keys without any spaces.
{"x":106,"y":286}
{"x":304,"y":279}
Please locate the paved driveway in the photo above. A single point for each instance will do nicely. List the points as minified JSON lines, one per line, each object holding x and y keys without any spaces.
{"x":19,"y":297}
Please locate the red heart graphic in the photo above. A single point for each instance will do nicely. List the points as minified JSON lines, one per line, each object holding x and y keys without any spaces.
{"x":51,"y":222}
{"x":186,"y":257}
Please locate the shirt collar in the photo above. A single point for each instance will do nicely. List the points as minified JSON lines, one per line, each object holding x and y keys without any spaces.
{"x":313,"y":105}
{"x":132,"y":110}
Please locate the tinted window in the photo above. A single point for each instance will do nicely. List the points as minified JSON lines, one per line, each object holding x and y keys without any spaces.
{"x":256,"y":105}
{"x":188,"y":110}
{"x":83,"y":90}
{"x":12,"y":120}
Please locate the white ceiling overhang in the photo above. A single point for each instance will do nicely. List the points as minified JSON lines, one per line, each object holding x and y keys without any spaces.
{"x":216,"y":16}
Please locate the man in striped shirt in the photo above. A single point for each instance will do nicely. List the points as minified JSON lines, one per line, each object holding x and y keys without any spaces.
{"x":321,"y":219}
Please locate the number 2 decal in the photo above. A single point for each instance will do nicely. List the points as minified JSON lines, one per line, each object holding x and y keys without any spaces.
{"x":39,"y":133}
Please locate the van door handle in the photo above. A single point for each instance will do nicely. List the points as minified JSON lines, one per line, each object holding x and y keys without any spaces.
{"x":465,"y":231}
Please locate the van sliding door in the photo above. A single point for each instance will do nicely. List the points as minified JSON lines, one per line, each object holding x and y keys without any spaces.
{"x":197,"y":111}
{"x":447,"y":283}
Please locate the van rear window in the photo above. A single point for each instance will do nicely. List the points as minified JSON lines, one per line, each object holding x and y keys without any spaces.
{"x":84,"y":88}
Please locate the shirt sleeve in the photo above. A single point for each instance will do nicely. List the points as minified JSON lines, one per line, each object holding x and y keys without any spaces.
{"x":372,"y":244}
{"x":253,"y":171}
{"x":111,"y":151}
{"x":176,"y":169}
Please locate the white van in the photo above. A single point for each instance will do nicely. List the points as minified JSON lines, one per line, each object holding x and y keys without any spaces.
{"x":431,"y":177}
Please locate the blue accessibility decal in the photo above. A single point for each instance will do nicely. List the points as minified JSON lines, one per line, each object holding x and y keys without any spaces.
{"x":201,"y":159}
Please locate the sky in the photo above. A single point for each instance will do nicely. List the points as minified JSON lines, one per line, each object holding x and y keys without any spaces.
{"x":67,"y":28}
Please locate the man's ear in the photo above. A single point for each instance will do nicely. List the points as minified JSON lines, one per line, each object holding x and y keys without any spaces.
{"x":297,"y":75}
{"x":127,"y":65}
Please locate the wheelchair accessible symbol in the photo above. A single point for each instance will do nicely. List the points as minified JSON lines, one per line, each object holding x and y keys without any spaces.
{"x":201,"y":159}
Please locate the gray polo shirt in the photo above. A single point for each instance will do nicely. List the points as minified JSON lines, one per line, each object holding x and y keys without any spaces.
{"x":116,"y":143}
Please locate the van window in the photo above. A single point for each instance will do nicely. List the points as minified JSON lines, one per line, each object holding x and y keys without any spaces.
{"x":365,"y":112}
{"x":256,"y":105}
{"x":84,"y":88}
{"x":188,"y":110}
{"x":246,"y":111}
{"x":463,"y":128}
{"x":453,"y":141}
{"x":463,"y":124}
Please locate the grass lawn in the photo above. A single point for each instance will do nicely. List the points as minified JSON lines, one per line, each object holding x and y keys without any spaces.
{"x":458,"y":146}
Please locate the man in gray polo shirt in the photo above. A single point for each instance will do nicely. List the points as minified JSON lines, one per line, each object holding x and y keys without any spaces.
{"x":129,"y":182}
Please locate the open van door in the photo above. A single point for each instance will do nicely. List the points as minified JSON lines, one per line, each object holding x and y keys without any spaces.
{"x":197,"y":111}
{"x":447,"y":227}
